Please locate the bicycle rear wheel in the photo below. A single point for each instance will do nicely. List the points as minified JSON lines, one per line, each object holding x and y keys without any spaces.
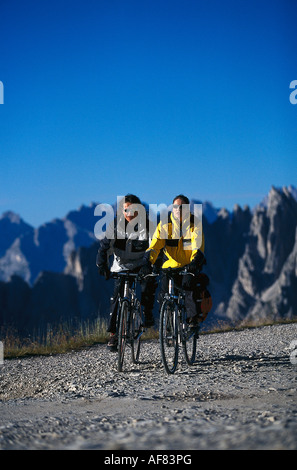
{"x":168,"y":336}
{"x":189,"y":340}
{"x":122,"y":334}
{"x":135,"y":332}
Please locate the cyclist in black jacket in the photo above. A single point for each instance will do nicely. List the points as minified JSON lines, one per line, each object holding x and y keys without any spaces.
{"x":128,"y":250}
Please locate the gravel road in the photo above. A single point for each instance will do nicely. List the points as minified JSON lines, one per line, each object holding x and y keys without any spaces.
{"x":240,"y":394}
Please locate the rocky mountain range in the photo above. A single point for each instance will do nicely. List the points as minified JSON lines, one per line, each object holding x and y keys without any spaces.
{"x":25,"y":251}
{"x":48,"y":274}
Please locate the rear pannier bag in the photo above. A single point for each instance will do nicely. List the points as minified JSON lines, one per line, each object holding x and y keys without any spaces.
{"x":198,"y":301}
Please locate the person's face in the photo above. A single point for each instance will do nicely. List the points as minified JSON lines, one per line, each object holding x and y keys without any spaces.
{"x":177,"y":209}
{"x":129,"y":214}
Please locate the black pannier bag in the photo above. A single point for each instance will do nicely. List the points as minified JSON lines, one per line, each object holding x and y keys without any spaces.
{"x":198,"y":300}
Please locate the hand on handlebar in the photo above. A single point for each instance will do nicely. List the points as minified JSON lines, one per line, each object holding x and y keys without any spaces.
{"x":146,"y":267}
{"x":196,"y":264}
{"x":104,"y":271}
{"x":145,"y":270}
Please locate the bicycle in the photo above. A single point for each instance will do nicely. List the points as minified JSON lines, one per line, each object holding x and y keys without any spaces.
{"x":174,"y":328}
{"x":129,"y":318}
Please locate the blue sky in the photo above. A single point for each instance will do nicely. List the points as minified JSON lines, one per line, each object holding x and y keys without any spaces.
{"x":106,"y":97}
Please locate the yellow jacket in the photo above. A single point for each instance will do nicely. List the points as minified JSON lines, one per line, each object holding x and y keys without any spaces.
{"x":179,"y":243}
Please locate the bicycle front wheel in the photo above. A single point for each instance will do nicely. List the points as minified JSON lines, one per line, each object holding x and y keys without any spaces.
{"x":122,"y":334}
{"x":136,"y":332}
{"x":168,"y":336}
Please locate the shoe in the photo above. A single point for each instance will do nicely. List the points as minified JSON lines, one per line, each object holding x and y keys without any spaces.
{"x":112,"y":344}
{"x":196,"y":320}
{"x":194,"y":326}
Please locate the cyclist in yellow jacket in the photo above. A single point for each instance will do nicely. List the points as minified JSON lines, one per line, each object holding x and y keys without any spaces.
{"x":181,"y":239}
{"x":181,"y":243}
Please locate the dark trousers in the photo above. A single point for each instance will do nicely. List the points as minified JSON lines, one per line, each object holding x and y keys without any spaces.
{"x":148,"y":288}
{"x":191,"y":285}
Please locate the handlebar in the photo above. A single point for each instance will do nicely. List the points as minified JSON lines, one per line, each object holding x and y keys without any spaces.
{"x":128,"y":274}
{"x":123,"y":274}
{"x":181,"y":271}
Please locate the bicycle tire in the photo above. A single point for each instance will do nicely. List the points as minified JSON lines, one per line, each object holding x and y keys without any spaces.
{"x":168,"y":336}
{"x":189,"y":342}
{"x":122,"y":334}
{"x":135,"y":332}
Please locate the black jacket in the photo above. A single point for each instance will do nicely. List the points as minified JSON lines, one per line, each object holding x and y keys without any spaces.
{"x":127,"y":249}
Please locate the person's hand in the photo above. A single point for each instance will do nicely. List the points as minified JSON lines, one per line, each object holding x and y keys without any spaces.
{"x":197,"y":263}
{"x":104,"y":271}
{"x":145,"y":270}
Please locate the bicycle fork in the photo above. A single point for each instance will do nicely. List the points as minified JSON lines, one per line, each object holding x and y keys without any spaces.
{"x":126,"y":289}
{"x":176,"y":313}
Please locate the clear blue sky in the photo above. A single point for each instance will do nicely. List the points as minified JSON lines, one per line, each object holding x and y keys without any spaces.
{"x":154,"y":97}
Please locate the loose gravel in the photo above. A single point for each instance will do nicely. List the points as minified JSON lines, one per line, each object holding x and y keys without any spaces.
{"x":240,"y":394}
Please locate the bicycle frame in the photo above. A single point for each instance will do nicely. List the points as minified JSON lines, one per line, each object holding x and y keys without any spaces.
{"x":129,"y":291}
{"x":176,"y":299}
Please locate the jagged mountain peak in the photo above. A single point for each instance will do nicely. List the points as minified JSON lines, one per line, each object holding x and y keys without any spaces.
{"x":292,"y":190}
{"x":275,"y":195}
{"x":12,"y":226}
{"x":266,"y":259}
{"x":13,"y":218}
{"x":83,"y":217}
{"x":46,"y":247}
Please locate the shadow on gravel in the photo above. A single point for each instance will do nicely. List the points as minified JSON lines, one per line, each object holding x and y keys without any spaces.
{"x":260,"y":361}
{"x":246,"y":362}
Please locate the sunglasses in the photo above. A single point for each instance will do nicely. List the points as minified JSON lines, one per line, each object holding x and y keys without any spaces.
{"x":129,"y":211}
